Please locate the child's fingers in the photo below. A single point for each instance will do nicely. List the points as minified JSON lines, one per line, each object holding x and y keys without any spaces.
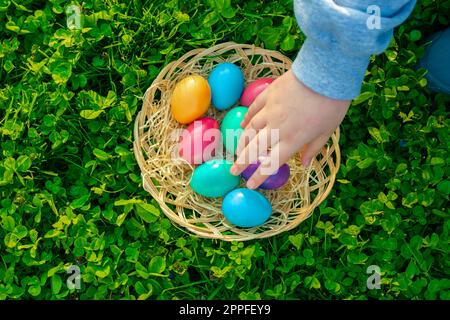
{"x":256,"y":147}
{"x":247,"y":136}
{"x":254,"y":108}
{"x":279,"y":155}
{"x":251,"y":130}
{"x":313,"y":148}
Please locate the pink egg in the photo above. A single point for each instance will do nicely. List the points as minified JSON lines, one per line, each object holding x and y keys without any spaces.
{"x":200,"y":140}
{"x":254,"y":89}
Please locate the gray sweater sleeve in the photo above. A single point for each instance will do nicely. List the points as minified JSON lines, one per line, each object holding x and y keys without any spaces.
{"x":341,"y":35}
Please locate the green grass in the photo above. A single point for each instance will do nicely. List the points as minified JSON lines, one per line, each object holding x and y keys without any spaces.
{"x":67,"y":172}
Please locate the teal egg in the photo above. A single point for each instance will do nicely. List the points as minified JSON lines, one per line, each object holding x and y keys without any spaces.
{"x":227,"y":82}
{"x":231,"y":128}
{"x":213,"y":178}
{"x":246,"y":208}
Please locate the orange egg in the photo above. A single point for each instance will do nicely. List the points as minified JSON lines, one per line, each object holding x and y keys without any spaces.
{"x":190,"y":99}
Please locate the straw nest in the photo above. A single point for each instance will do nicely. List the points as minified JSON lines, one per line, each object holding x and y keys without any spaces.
{"x":167,"y":179}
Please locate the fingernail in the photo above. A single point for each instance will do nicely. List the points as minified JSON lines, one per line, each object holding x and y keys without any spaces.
{"x":233,"y":170}
{"x":251,"y":184}
{"x":306,"y":162}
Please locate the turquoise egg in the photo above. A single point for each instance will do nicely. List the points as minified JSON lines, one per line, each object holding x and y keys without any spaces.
{"x":230,"y":128}
{"x":246,"y":208}
{"x":226,"y":81}
{"x":213,"y":178}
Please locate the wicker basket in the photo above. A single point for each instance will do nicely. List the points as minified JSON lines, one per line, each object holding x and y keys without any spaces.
{"x":167,"y":180}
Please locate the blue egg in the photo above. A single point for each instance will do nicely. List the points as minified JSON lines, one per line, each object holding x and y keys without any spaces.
{"x":246,"y":208}
{"x":227,"y":84}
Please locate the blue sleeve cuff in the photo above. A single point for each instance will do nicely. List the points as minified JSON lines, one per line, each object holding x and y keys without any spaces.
{"x":330,"y":71}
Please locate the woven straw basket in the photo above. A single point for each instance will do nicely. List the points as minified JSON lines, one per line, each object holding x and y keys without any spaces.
{"x":167,"y":179}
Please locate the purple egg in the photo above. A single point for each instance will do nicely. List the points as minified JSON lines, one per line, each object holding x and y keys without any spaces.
{"x":275,"y":181}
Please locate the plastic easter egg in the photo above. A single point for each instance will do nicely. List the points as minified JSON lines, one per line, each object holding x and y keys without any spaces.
{"x":227,"y":83}
{"x":275,"y":181}
{"x":213,"y":178}
{"x":254,"y":89}
{"x":231,"y":128}
{"x":246,"y":208}
{"x":190,"y":99}
{"x":200,"y":140}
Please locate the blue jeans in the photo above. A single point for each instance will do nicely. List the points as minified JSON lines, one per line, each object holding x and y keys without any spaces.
{"x":437,"y":62}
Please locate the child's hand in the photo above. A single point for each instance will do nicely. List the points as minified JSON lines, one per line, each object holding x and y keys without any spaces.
{"x":302,"y":116}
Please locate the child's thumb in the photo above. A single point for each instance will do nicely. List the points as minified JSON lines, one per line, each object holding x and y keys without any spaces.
{"x":311,"y":149}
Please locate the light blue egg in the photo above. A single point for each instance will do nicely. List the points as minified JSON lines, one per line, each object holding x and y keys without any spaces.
{"x":226,"y":81}
{"x":246,"y":208}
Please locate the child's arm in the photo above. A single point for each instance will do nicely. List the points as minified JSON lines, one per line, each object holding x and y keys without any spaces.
{"x":341,"y":37}
{"x":309,"y":102}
